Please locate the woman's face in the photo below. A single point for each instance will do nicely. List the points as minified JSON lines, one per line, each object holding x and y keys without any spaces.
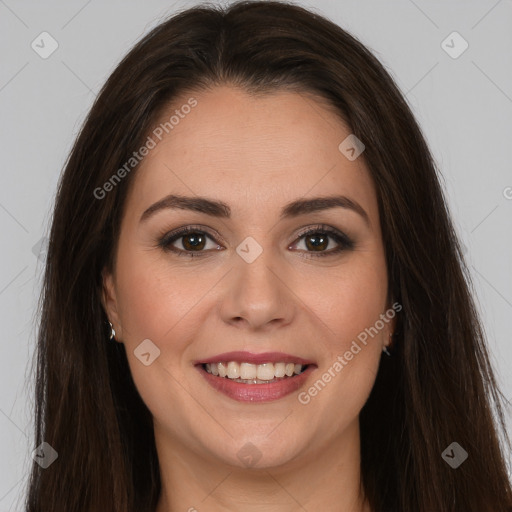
{"x":254,"y":284}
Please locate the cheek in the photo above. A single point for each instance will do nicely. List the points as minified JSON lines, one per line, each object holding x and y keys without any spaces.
{"x":352,"y":308}
{"x":153,"y":304}
{"x":152,"y":298}
{"x":354,"y":301}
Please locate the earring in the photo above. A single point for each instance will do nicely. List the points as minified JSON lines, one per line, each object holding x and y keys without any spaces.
{"x":385,"y":347}
{"x":112,"y":332}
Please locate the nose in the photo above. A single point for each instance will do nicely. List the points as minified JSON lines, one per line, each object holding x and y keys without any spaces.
{"x":257,"y":295}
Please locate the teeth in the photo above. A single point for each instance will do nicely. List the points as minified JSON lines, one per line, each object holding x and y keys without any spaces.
{"x":253,"y":372}
{"x":233,"y":370}
{"x":279,"y":369}
{"x":223,"y":371}
{"x":265,"y":371}
{"x":248,"y":371}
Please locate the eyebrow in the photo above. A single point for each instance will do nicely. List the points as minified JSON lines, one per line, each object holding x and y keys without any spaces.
{"x":220,"y":209}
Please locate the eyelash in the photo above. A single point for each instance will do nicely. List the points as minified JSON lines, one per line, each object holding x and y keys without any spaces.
{"x":341,"y":238}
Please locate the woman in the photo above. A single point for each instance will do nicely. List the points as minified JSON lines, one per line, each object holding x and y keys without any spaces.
{"x":323,"y":352}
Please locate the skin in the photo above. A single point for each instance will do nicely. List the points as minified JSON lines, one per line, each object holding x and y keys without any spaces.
{"x":256,"y":154}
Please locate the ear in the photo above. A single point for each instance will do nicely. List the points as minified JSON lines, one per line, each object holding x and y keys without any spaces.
{"x":388,"y":342}
{"x":392,"y":323}
{"x":109,"y":302}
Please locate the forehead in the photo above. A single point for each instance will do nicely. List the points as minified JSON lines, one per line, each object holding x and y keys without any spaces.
{"x":250,"y":151}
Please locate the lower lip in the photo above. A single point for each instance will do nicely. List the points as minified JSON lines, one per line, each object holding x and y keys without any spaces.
{"x":257,"y":392}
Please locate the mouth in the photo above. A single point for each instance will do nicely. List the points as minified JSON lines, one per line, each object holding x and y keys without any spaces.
{"x":249,"y":382}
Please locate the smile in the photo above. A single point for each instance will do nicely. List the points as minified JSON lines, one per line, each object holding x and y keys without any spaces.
{"x":248,"y":382}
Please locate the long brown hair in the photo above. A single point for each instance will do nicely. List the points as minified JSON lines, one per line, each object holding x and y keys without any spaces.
{"x":437,"y":388}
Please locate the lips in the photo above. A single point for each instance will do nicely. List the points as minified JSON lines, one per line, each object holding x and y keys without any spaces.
{"x":253,"y":390}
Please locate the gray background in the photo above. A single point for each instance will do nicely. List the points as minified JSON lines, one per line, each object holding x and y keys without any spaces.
{"x":463,"y":104}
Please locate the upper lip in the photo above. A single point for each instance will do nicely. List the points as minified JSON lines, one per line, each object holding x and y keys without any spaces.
{"x":250,"y":357}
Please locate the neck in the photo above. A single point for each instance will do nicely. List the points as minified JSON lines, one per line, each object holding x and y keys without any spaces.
{"x":326,"y":479}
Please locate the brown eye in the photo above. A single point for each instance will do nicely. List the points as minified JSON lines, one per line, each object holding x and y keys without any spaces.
{"x":192,"y":241}
{"x":318,"y":239}
{"x":317,"y":242}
